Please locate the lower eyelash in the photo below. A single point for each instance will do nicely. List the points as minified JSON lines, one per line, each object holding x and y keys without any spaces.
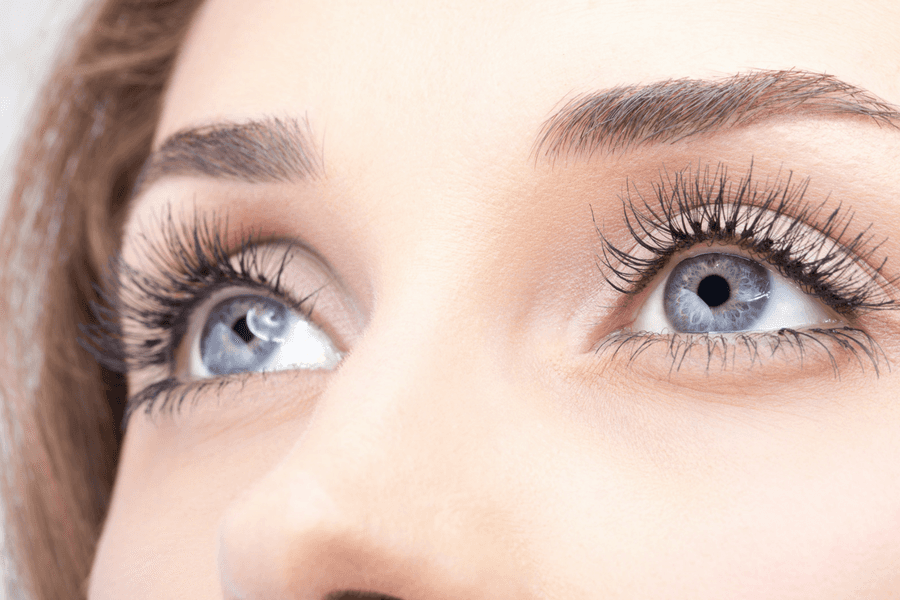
{"x":724,"y":350}
{"x":170,"y":394}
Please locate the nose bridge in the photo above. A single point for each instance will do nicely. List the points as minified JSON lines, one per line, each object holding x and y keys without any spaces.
{"x":416,"y":401}
{"x":395,"y":486}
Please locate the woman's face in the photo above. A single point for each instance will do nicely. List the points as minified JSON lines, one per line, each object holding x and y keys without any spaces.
{"x":525,"y":332}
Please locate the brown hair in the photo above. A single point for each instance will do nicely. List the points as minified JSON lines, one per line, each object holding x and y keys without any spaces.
{"x":89,"y":136}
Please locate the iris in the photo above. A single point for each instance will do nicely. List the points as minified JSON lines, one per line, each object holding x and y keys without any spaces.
{"x":243,"y":333}
{"x":716,"y":292}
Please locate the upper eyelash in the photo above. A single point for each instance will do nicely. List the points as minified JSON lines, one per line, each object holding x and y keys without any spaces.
{"x":774,"y":222}
{"x":193,"y":260}
{"x":142,"y":313}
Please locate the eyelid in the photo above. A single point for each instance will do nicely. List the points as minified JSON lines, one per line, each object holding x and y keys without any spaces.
{"x":173,"y":268}
{"x":853,"y":271}
{"x":806,"y":242}
{"x":814,"y":245}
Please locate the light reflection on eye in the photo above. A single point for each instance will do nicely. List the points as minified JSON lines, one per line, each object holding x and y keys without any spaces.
{"x":725,"y":293}
{"x":249,"y":332}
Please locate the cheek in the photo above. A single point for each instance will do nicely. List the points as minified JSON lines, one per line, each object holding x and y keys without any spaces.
{"x":778,"y":500}
{"x":826,"y":524}
{"x":177,"y":476}
{"x":677,"y":504}
{"x":662,"y":496}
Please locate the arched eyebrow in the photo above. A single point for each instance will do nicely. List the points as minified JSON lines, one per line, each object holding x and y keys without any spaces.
{"x":625,"y":117}
{"x":255,"y":151}
{"x":616,"y":119}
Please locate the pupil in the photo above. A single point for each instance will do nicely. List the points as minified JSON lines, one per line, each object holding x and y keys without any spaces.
{"x":714,"y":290}
{"x":240,"y":327}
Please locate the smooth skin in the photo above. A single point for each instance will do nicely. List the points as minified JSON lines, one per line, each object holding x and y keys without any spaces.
{"x":472,"y":444}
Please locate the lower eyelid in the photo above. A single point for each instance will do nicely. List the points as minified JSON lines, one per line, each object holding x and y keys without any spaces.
{"x":756,"y":361}
{"x":170,"y":398}
{"x":825,"y":348}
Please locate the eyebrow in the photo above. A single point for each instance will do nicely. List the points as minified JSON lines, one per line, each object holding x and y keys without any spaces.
{"x":625,"y":117}
{"x":612,"y":120}
{"x":256,"y":151}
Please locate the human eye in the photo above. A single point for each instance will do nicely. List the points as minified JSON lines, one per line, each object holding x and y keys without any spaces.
{"x":199,"y":311}
{"x":247,"y":332}
{"x":735,"y":272}
{"x":721,"y":291}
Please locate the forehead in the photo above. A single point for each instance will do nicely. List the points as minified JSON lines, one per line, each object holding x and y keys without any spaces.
{"x":430,"y":80}
{"x":427,"y":112}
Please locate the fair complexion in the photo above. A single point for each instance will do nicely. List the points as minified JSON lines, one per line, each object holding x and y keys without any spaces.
{"x":477,"y":439}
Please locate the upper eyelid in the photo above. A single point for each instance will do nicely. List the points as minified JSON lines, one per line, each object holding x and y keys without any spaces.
{"x":784,"y":221}
{"x":670,"y":223}
{"x":182,"y":260}
{"x":249,"y":273}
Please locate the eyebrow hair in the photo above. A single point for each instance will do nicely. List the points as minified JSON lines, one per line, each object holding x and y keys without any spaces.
{"x":256,"y":151}
{"x":626,"y":117}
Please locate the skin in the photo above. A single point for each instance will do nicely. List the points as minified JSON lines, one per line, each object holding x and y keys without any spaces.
{"x":472,"y":444}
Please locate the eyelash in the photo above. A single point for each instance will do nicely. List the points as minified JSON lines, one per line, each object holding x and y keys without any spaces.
{"x":193,"y":261}
{"x":773,"y":223}
{"x":142,"y":318}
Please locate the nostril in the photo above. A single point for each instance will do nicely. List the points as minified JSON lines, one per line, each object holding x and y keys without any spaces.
{"x":357,"y":595}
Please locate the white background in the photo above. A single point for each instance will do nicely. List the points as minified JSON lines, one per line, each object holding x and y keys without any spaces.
{"x":30,"y":31}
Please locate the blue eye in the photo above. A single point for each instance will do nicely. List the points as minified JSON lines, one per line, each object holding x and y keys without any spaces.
{"x":716,"y":292}
{"x":247,"y":333}
{"x":724,"y":293}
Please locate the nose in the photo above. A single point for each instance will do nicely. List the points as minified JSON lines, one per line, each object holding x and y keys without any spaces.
{"x":396,"y":489}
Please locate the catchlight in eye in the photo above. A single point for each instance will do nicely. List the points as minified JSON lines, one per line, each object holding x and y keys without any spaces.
{"x":249,"y":332}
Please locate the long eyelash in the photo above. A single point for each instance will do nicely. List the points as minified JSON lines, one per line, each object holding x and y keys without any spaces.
{"x":142,"y":314}
{"x":803,"y":241}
